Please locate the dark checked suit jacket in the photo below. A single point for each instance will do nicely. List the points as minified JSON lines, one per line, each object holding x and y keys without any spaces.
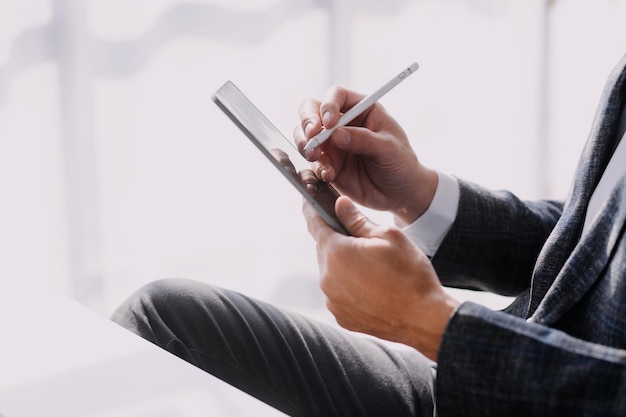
{"x":560,"y":348}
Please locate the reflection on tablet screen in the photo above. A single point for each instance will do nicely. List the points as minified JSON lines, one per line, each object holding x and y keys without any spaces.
{"x":280,"y":151}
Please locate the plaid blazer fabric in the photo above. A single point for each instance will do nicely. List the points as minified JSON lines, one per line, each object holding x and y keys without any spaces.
{"x":560,"y":348}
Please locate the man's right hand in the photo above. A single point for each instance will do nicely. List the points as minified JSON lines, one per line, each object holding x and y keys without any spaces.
{"x":370,"y":160}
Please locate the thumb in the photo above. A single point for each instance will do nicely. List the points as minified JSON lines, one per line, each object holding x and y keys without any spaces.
{"x":355,"y":222}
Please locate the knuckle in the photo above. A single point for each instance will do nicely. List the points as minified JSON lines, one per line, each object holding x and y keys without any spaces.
{"x":326,"y":287}
{"x":394,"y":234}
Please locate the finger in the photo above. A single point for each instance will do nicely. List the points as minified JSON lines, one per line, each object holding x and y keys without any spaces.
{"x":359,"y":141}
{"x":310,"y":122}
{"x":324,"y":168}
{"x":310,"y":125}
{"x":310,"y":181}
{"x":318,"y":228}
{"x":301,"y":140}
{"x":283,"y":159}
{"x":326,"y":162}
{"x":336,"y":101}
{"x":355,"y":222}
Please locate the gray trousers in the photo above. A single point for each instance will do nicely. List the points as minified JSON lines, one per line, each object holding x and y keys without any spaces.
{"x":297,"y":365}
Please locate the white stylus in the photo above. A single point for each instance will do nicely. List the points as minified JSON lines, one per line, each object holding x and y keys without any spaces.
{"x":359,"y":108}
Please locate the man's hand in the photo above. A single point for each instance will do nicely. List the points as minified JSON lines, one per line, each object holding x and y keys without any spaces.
{"x":378,"y":282}
{"x":371,"y":160}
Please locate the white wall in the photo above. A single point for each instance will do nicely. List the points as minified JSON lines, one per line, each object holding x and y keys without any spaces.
{"x":117,"y":169}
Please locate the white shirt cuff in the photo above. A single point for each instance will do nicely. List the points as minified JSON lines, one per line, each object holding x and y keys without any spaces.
{"x":429,"y":230}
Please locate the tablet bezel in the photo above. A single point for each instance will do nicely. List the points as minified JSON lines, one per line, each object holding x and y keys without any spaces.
{"x":248,"y":118}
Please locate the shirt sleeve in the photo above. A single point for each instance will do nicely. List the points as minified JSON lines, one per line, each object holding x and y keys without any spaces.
{"x":429,"y":230}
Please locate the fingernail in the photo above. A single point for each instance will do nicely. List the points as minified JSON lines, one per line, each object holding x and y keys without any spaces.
{"x":308,"y":153}
{"x":323,"y":174}
{"x":326,"y":117}
{"x":307,"y":129}
{"x":311,"y":188}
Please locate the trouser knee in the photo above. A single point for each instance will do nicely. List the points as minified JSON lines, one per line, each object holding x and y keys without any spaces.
{"x":161,"y":309}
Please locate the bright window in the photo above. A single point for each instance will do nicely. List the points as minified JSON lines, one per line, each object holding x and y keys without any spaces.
{"x":117,"y":169}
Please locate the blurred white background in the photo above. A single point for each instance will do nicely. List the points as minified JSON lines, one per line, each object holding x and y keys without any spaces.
{"x":117,"y":169}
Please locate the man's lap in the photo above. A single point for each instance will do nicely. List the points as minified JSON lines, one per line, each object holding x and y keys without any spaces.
{"x":285,"y":359}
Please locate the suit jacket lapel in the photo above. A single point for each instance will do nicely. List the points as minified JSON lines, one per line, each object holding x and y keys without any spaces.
{"x":587,"y":261}
{"x":596,"y":154}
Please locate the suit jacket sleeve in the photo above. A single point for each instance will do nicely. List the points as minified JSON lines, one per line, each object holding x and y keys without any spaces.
{"x":495,"y":364}
{"x":495,"y":240}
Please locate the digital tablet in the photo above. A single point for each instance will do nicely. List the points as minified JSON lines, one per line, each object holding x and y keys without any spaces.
{"x":280,"y":151}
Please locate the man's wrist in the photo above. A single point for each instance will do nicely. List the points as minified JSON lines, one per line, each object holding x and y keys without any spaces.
{"x":418,"y":203}
{"x":428,"y":340}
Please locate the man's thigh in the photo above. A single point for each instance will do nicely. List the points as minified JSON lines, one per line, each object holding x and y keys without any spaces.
{"x":295,"y":364}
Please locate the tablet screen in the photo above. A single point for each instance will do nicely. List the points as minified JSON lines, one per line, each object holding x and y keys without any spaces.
{"x":280,"y":151}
